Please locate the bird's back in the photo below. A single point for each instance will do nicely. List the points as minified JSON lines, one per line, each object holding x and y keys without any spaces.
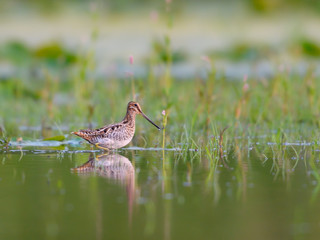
{"x":110,"y":136}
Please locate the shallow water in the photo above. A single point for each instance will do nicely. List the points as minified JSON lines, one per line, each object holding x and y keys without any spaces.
{"x":261,"y":192}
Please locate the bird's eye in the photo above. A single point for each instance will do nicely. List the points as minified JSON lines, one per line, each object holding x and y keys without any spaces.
{"x":136,"y":105}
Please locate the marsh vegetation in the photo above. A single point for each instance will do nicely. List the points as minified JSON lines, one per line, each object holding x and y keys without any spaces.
{"x":238,"y":156}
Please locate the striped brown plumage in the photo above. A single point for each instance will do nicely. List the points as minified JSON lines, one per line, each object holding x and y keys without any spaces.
{"x":116,"y":135}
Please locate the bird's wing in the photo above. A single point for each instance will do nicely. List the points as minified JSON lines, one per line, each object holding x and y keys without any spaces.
{"x":106,"y":130}
{"x":103,"y":132}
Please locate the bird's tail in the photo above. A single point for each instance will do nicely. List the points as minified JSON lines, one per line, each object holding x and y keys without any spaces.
{"x":81,"y":134}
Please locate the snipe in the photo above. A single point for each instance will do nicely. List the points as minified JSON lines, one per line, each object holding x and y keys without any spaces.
{"x":116,"y":135}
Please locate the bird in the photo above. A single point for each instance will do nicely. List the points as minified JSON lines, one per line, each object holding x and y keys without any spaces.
{"x":115,"y":135}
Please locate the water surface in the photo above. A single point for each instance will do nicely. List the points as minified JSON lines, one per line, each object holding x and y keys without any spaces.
{"x":256,"y":193}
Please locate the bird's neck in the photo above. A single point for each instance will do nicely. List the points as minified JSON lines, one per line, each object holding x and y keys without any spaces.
{"x":130,"y":118}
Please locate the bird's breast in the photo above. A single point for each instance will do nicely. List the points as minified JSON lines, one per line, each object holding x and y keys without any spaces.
{"x":118,"y":138}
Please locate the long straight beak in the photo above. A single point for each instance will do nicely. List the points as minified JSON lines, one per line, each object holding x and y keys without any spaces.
{"x":150,"y":121}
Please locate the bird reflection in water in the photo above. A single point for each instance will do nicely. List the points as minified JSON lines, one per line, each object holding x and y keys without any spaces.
{"x":112,"y":166}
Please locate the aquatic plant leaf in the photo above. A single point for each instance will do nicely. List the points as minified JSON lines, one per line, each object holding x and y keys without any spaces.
{"x":55,"y":138}
{"x":15,"y":51}
{"x":54,"y":54}
{"x":310,"y":48}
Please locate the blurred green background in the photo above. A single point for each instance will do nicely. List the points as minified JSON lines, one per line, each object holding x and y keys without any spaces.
{"x":66,"y":63}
